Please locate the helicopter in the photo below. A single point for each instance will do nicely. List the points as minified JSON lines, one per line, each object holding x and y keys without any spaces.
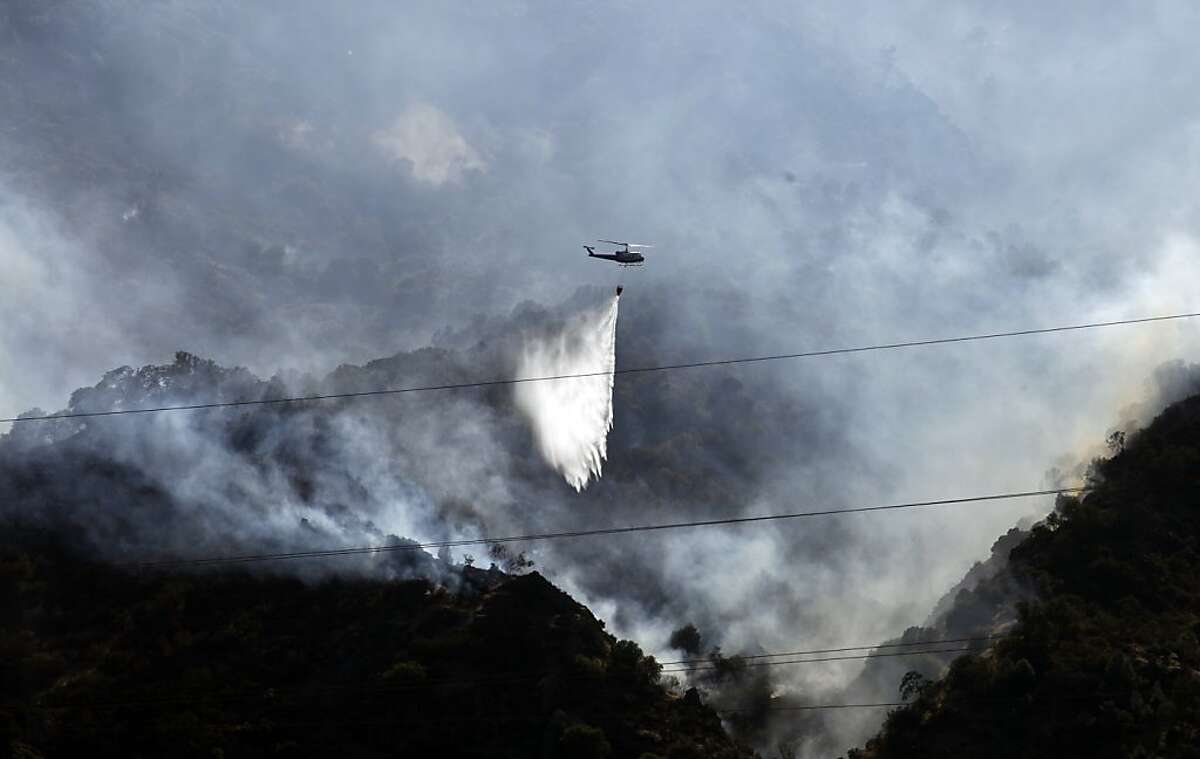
{"x":626,"y":257}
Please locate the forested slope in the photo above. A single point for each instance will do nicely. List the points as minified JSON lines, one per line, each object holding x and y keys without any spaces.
{"x":102,"y":661}
{"x":1106,"y":661}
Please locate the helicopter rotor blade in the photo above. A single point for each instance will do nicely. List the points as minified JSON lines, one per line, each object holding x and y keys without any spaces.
{"x":626,"y":244}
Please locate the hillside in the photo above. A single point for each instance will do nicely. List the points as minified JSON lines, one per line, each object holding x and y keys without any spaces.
{"x":1106,"y":661}
{"x":99,"y":661}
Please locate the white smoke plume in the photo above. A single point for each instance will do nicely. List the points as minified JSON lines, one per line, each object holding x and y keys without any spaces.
{"x":571,"y":419}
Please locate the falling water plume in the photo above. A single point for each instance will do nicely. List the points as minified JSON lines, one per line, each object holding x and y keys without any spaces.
{"x":571,"y":417}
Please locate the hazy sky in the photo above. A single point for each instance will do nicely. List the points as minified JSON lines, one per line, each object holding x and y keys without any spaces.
{"x":297,"y":185}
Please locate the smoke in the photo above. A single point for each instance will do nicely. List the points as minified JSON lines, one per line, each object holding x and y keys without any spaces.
{"x":227,"y":178}
{"x":571,"y":418}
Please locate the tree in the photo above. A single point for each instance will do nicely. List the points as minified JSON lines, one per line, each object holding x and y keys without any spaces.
{"x":628,"y":663}
{"x":913,"y":684}
{"x":687,"y":639}
{"x":509,"y":563}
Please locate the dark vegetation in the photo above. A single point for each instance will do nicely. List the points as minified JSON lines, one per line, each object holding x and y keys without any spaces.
{"x":1106,"y":663}
{"x":100,"y":661}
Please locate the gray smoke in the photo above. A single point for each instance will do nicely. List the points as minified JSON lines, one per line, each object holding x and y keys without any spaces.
{"x":295,"y":188}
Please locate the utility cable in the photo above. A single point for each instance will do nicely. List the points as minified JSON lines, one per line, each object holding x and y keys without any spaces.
{"x":735,"y":661}
{"x":635,"y":370}
{"x":816,"y":651}
{"x":809,"y":707}
{"x":982,"y":699}
{"x":412,"y":546}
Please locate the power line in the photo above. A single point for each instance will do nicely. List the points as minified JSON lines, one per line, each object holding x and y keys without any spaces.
{"x":809,"y":707}
{"x":733,"y":660}
{"x":982,"y":699}
{"x":699,"y":665}
{"x":872,"y":647}
{"x":635,"y":370}
{"x":412,"y":546}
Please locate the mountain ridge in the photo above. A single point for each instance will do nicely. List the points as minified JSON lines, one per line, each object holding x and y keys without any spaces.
{"x":111,"y":663}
